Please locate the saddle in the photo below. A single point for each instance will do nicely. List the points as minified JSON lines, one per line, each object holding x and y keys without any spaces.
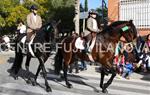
{"x":84,"y":42}
{"x":29,"y":48}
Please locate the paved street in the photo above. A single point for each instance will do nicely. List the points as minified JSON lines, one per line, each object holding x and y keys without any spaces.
{"x":84,"y":83}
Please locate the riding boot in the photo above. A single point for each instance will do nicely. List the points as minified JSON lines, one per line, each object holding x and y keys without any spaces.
{"x":86,"y":49}
{"x":87,"y":41}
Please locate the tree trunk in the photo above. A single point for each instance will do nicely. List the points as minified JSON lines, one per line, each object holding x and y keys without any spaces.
{"x":77,"y":16}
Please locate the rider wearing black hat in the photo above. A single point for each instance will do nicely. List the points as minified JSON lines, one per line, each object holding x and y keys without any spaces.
{"x":34,"y":22}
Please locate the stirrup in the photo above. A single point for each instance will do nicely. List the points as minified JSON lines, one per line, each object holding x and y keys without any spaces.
{"x":86,"y":51}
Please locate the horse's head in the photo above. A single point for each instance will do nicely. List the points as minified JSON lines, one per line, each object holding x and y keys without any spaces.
{"x":128,"y":31}
{"x":119,"y":29}
{"x":48,"y":32}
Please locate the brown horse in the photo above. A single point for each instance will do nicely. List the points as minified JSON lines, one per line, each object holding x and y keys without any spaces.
{"x":102,"y":52}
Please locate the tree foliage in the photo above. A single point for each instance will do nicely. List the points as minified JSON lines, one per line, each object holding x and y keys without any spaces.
{"x":81,"y":8}
{"x":62,"y":10}
{"x":99,"y":10}
{"x":18,"y":12}
{"x":103,"y":15}
{"x":86,"y":5}
{"x":11,"y":10}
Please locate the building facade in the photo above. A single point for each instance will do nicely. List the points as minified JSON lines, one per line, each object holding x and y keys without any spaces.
{"x":137,"y":10}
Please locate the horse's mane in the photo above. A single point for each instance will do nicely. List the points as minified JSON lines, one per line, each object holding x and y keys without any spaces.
{"x":117,"y":23}
{"x":110,"y":27}
{"x":43,"y":32}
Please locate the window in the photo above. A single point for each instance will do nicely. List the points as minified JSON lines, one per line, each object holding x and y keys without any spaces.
{"x":137,"y":10}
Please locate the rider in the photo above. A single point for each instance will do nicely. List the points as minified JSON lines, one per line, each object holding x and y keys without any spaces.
{"x":34,"y":22}
{"x":92,"y":27}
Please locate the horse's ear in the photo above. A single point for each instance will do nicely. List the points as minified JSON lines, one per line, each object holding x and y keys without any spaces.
{"x":130,"y":21}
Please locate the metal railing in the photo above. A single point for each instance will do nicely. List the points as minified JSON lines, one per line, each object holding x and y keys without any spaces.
{"x":137,"y":10}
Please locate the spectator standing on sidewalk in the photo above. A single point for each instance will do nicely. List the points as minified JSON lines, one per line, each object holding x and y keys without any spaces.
{"x":148,"y":41}
{"x":21,"y":29}
{"x":119,"y":58}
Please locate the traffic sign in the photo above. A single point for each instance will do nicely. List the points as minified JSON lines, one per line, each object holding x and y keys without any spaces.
{"x":83,"y":15}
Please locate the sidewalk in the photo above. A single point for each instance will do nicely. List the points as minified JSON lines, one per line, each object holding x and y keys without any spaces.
{"x":5,"y":56}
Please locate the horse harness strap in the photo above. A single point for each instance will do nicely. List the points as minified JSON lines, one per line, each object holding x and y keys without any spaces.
{"x":90,"y":57}
{"x":123,"y":27}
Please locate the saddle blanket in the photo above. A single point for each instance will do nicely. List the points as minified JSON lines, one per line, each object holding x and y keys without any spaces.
{"x":23,"y":40}
{"x":79,"y":44}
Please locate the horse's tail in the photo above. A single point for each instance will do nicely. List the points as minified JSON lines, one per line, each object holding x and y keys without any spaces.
{"x":18,"y":59}
{"x":18,"y":46}
{"x":58,"y":61}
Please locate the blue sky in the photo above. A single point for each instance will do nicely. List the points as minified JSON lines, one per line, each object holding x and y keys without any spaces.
{"x":93,"y":4}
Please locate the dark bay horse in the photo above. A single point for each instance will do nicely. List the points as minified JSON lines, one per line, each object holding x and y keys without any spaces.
{"x":41,"y":47}
{"x":101,"y":53}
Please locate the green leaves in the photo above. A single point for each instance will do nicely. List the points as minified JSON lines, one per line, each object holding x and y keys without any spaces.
{"x":86,"y":5}
{"x":11,"y":10}
{"x":18,"y":12}
{"x":2,"y":21}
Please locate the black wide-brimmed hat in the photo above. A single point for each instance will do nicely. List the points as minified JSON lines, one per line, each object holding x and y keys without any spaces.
{"x":33,"y":7}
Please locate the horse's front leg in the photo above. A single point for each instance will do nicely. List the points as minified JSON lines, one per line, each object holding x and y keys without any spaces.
{"x":36,"y":75}
{"x":48,"y":88}
{"x":65,"y":69}
{"x":102,"y":77}
{"x":105,"y":86}
{"x":16,"y":65}
{"x":29,"y":81}
{"x":27,"y":62}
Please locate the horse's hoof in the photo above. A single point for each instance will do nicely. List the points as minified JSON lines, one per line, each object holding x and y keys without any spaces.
{"x":70,"y":71}
{"x":77,"y":72}
{"x":48,"y":89}
{"x":59,"y":80}
{"x":15,"y":77}
{"x":61,"y":76}
{"x":96,"y":90}
{"x":28,"y":81}
{"x":69,"y":85}
{"x":104,"y":91}
{"x":34,"y":83}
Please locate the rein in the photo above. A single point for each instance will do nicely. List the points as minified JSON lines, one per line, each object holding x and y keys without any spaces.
{"x":121,"y":26}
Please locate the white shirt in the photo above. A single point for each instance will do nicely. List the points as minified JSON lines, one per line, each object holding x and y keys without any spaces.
{"x":34,"y":17}
{"x":6,"y":39}
{"x":22,"y":29}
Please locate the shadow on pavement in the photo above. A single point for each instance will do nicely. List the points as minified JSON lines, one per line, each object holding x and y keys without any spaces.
{"x":11,"y":60}
{"x":22,"y":74}
{"x":146,"y":76}
{"x":72,"y":78}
